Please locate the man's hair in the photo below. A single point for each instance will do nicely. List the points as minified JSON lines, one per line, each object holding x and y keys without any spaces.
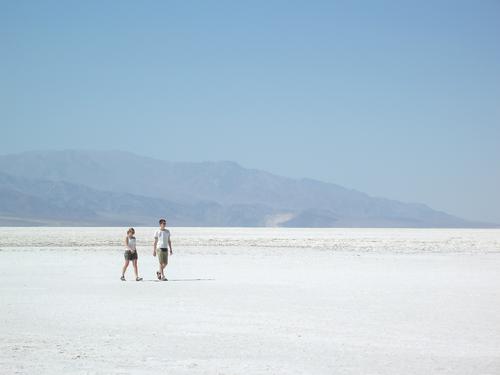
{"x":162,"y":221}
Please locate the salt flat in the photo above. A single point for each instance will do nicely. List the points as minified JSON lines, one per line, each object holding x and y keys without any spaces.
{"x":252,"y":301}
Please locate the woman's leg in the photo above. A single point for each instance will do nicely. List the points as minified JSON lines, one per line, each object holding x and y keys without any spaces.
{"x":125,"y":267}
{"x":134,"y":263}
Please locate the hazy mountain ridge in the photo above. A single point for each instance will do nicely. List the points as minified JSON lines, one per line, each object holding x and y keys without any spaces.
{"x":58,"y":202}
{"x":115,"y":187}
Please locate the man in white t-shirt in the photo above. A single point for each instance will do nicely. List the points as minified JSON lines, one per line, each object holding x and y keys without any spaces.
{"x":162,"y":243}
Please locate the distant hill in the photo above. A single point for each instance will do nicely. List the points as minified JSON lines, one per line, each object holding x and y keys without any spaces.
{"x":43,"y":202}
{"x":121,"y":188}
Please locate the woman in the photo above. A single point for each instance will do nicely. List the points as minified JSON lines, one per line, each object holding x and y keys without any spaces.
{"x":130,"y":254}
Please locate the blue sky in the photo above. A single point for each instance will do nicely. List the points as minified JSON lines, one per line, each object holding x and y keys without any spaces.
{"x":397,"y":99}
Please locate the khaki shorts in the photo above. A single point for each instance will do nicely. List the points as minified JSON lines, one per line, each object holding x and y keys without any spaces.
{"x":163,"y":255}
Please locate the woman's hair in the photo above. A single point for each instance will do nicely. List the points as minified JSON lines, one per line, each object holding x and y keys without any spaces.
{"x":131,"y":230}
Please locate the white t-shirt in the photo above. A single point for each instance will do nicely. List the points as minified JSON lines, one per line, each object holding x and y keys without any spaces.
{"x":163,"y":236}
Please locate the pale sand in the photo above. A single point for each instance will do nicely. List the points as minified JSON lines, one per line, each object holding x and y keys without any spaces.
{"x":264,"y":312}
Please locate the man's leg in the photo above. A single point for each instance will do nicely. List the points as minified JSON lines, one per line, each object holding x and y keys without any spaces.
{"x":163,"y":262}
{"x":162,"y":267}
{"x":158,"y":273}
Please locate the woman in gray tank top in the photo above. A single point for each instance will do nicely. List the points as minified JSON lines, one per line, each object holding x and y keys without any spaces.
{"x":130,"y":254}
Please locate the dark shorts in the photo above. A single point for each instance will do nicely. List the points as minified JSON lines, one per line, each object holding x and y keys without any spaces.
{"x":130,"y":255}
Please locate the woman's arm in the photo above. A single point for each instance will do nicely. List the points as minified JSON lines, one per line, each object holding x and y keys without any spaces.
{"x":126,"y":244}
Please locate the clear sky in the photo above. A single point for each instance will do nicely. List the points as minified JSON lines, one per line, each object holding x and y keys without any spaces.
{"x":396,"y":99}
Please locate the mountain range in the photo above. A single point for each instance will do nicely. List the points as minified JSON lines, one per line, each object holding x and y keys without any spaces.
{"x":105,"y":188}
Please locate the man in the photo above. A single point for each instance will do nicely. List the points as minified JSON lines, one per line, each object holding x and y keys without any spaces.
{"x":162,"y":240}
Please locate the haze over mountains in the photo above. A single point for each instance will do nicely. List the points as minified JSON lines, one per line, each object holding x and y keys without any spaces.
{"x":121,"y":188}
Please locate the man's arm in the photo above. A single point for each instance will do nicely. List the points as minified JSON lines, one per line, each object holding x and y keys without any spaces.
{"x":154,"y":246}
{"x":170,"y":244}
